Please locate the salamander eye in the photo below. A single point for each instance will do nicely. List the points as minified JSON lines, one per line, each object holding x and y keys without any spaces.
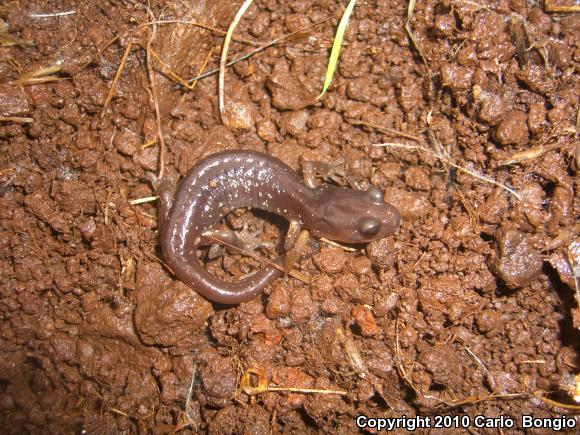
{"x":369,"y":226}
{"x":374,"y":194}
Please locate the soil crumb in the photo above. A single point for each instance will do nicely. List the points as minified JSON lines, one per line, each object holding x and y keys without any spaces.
{"x":466,"y":310}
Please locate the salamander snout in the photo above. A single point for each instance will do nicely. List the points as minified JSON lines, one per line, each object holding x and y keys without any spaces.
{"x":379,"y":221}
{"x":380,"y":218}
{"x":355,"y":216}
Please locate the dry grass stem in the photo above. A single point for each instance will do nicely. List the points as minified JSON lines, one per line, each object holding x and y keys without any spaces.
{"x":520,"y":38}
{"x":42,"y":72}
{"x":447,"y":161}
{"x":18,"y":119}
{"x":259,"y":49}
{"x":410,"y":9}
{"x":528,"y":155}
{"x":254,"y":381}
{"x":483,"y":367}
{"x":293,"y":273}
{"x":472,"y":3}
{"x":354,"y":356}
{"x":39,"y":76}
{"x":39,"y":80}
{"x":308,"y":390}
{"x":472,"y":400}
{"x":550,"y":7}
{"x":189,"y":417}
{"x":148,"y":144}
{"x":154,"y":93}
{"x":574,"y":260}
{"x":53,"y":14}
{"x":336,"y":46}
{"x":202,"y":67}
{"x":143,"y":200}
{"x":337,"y":245}
{"x":291,"y":257}
{"x":400,"y":368}
{"x":117,"y":411}
{"x":7,"y":40}
{"x":224,"y":57}
{"x":166,"y":69}
{"x":554,"y":403}
{"x":388,"y":130}
{"x":195,"y":24}
{"x":115,"y":80}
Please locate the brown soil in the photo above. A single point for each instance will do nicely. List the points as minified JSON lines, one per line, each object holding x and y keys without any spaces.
{"x":471,"y":299}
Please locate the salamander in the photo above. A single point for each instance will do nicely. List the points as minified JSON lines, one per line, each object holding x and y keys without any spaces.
{"x":227,"y":180}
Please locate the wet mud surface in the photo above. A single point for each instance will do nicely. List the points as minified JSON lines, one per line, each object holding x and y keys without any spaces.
{"x":467,"y":309}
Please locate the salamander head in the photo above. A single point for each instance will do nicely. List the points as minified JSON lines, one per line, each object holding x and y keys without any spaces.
{"x":355,"y":216}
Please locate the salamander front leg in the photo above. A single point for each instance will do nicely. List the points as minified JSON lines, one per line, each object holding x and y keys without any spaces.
{"x":293,"y":232}
{"x":327,"y":171}
{"x":296,"y":250}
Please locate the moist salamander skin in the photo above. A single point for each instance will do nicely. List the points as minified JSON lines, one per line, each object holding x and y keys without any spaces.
{"x":228,"y":180}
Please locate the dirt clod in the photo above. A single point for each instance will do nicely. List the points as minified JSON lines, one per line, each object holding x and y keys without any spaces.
{"x":473,"y":297}
{"x":516,"y":262}
{"x":513,"y":130}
